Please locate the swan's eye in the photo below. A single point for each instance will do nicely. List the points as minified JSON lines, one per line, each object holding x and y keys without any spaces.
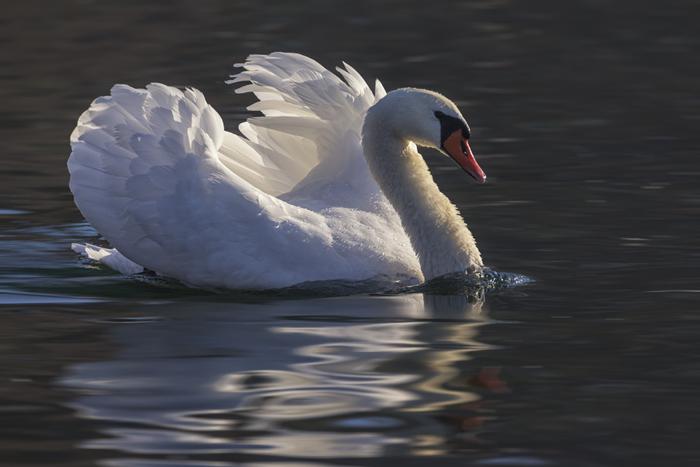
{"x":450,"y":124}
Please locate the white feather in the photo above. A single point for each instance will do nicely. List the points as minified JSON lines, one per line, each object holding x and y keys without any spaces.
{"x":290,"y":201}
{"x":107,"y":256}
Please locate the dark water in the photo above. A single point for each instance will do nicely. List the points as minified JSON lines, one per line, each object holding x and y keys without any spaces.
{"x":585,"y":115}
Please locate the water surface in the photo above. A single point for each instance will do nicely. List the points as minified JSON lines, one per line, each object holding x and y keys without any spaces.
{"x":584,"y":116}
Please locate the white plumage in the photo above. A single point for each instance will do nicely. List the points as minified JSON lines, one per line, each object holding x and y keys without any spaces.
{"x":290,"y":200}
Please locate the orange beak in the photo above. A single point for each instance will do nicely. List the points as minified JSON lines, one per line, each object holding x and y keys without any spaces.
{"x":457,"y":146}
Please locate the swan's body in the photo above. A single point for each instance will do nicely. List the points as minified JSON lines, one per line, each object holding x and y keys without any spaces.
{"x":297,"y":198}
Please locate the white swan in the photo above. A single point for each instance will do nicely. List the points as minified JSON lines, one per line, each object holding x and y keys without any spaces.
{"x":327,"y":184}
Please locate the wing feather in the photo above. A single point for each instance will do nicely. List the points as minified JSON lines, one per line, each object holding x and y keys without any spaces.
{"x":311,"y":121}
{"x":154,"y":171}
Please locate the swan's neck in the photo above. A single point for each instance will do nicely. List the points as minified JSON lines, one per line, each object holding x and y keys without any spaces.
{"x":437,"y":231}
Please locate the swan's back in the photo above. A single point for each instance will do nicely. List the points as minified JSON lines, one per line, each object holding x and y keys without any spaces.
{"x":154,"y":171}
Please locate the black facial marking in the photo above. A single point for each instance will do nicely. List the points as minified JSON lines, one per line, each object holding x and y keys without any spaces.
{"x":449,"y":125}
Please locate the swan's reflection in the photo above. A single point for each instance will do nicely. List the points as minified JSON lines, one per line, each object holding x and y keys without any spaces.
{"x":334,"y":378}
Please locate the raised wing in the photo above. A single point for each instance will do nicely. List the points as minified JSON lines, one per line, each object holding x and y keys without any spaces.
{"x":310,"y":130}
{"x":156,"y":174}
{"x":146,"y":173}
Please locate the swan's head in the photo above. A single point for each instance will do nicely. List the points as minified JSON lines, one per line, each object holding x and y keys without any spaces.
{"x":431,"y":120}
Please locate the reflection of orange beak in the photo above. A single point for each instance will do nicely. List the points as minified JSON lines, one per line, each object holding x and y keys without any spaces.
{"x":457,"y":146}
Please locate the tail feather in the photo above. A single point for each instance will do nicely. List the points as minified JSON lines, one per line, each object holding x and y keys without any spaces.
{"x":107,"y":256}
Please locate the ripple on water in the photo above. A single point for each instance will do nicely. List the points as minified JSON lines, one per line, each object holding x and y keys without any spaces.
{"x":13,"y":212}
{"x":25,"y":298}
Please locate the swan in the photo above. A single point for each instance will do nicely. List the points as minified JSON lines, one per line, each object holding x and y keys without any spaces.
{"x":327,"y":183}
